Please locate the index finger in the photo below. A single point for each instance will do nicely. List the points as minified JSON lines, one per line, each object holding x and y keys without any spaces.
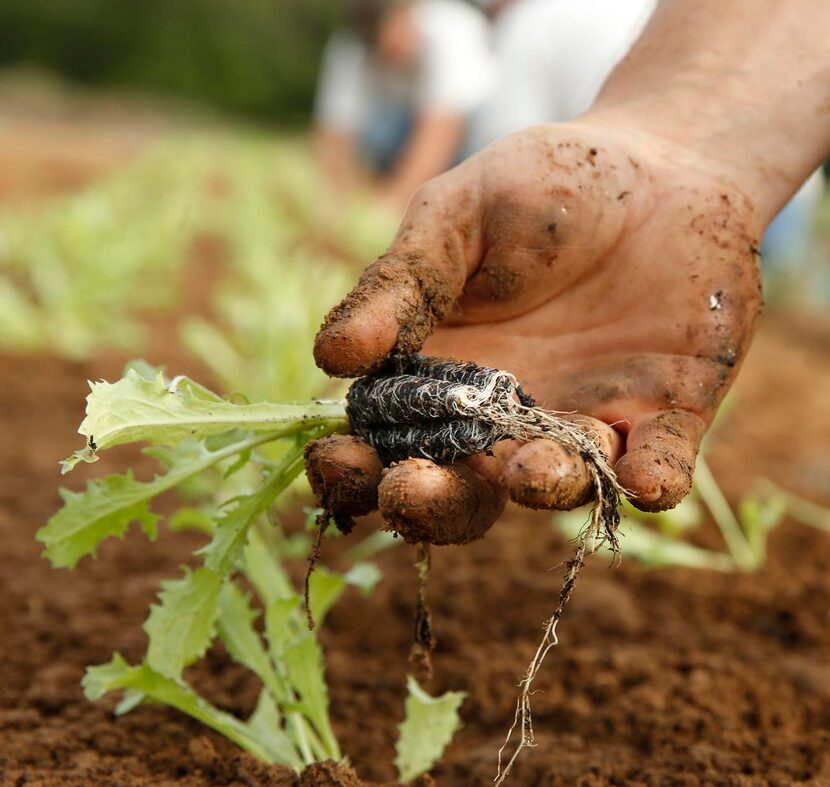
{"x":399,"y":299}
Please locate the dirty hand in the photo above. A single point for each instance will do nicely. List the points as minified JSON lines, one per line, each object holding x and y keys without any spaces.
{"x":616,"y":276}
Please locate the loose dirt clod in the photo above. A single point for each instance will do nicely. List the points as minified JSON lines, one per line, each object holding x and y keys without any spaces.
{"x":329,"y":774}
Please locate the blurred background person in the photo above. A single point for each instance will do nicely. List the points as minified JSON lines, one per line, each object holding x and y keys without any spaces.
{"x":792,"y":269}
{"x":397,"y":91}
{"x":552,"y":57}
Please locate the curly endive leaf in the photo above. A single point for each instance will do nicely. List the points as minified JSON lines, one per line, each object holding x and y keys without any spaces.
{"x":304,"y":664}
{"x":144,"y":683}
{"x":160,"y":412}
{"x":105,"y":509}
{"x":235,"y":625}
{"x":108,"y":506}
{"x":426,"y":731}
{"x":266,"y":722}
{"x":181,"y":628}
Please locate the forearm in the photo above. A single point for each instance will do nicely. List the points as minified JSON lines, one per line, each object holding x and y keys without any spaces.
{"x":746,"y":82}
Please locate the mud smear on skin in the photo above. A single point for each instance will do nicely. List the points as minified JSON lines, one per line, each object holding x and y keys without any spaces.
{"x":459,"y":516}
{"x":422,"y":299}
{"x":722,"y":233}
{"x":344,"y":473}
{"x":540,"y":479}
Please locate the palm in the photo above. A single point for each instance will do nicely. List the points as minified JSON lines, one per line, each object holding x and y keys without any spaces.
{"x":605,"y":290}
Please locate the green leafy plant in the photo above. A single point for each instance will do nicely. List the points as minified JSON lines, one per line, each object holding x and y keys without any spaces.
{"x":265,"y":318}
{"x":77,"y":270}
{"x":429,"y":726}
{"x":70,"y":266}
{"x":192,"y":431}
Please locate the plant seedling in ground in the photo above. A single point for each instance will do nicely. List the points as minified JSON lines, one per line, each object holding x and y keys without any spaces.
{"x":657,"y":539}
{"x":191,"y":432}
{"x":417,"y":407}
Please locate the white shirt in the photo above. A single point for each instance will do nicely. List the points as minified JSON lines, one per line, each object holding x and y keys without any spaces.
{"x":454,"y":70}
{"x":552,"y":58}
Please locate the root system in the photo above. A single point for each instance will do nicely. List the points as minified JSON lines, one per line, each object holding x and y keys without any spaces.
{"x":444,"y":411}
{"x":420,"y":657}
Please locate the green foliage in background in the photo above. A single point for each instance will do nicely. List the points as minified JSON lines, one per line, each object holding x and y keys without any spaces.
{"x":78,"y":272}
{"x":659,"y":540}
{"x":71,"y":267}
{"x":256,"y":57}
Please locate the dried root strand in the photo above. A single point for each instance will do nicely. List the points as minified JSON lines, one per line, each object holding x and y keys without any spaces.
{"x":423,"y":644}
{"x":323,"y":519}
{"x":523,"y":718}
{"x":601,"y":530}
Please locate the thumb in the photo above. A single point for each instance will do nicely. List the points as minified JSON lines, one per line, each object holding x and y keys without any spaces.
{"x":400,"y":297}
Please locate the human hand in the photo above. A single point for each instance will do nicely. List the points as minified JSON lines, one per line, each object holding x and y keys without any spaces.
{"x":615,"y":274}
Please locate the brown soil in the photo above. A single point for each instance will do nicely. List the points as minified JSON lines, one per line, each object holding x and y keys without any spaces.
{"x":665,"y":677}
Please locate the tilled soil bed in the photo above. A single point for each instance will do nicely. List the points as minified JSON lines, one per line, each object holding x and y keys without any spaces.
{"x":662,"y":677}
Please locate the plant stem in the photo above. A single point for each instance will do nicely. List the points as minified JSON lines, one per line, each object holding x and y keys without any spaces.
{"x":314,"y":745}
{"x":733,"y":534}
{"x":804,"y":511}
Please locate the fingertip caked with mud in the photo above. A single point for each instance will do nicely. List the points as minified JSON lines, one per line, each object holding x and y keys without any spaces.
{"x":421,"y":418}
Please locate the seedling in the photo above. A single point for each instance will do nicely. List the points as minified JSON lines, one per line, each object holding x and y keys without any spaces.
{"x":442,"y":410}
{"x":192,"y":431}
{"x":76,"y":269}
{"x":657,"y":540}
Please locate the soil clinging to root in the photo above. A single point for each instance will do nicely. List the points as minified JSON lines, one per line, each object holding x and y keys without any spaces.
{"x":445,"y":410}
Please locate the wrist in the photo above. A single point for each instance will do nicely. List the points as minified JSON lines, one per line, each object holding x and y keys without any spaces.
{"x":747,"y":91}
{"x":714,"y":134}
